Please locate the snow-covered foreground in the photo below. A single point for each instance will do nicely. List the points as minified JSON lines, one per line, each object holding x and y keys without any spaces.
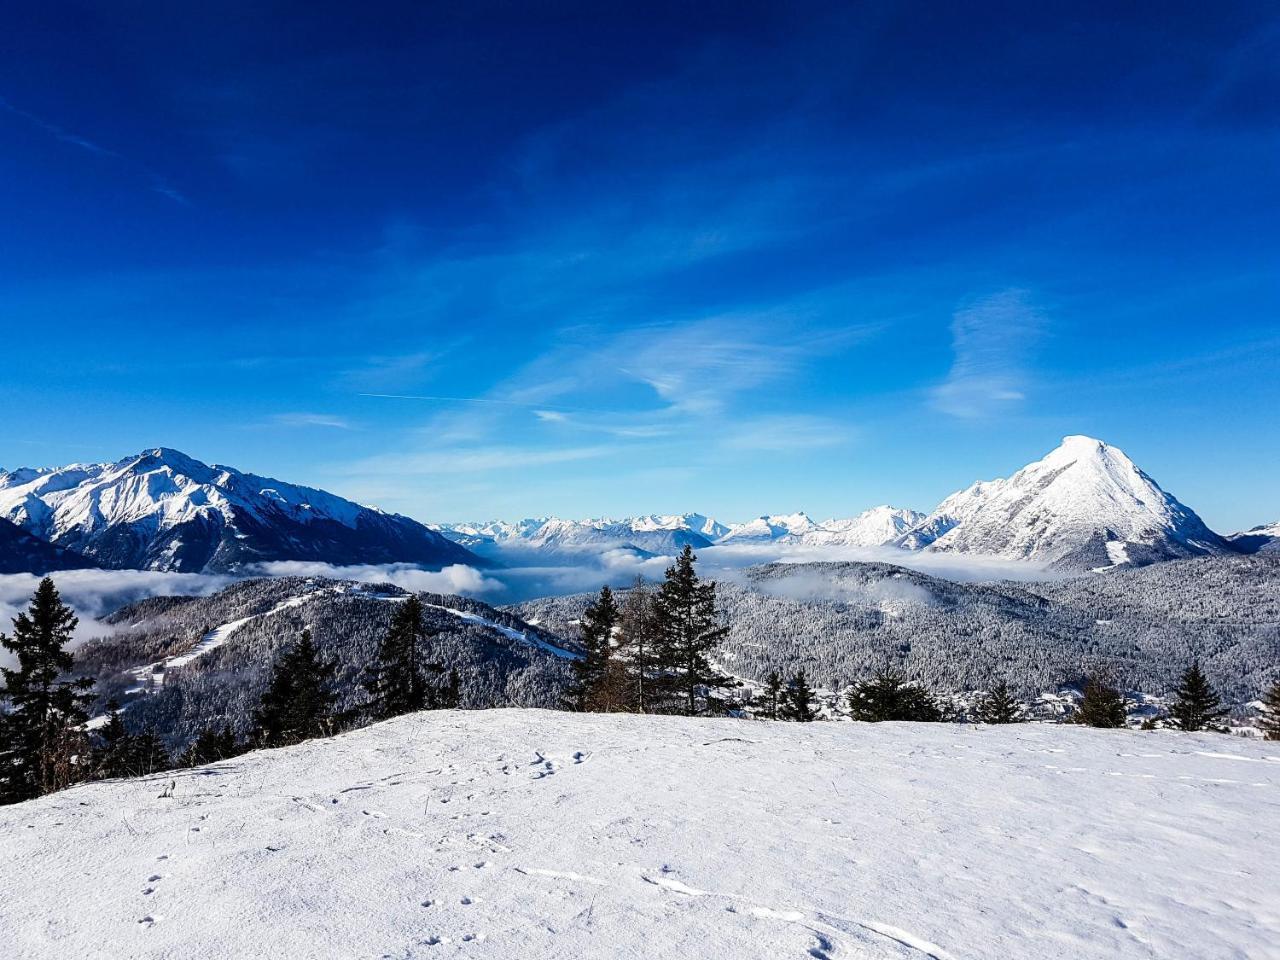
{"x":522,"y":834}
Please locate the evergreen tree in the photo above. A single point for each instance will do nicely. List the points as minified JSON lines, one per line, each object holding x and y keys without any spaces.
{"x":42,"y":733}
{"x":639,"y":639}
{"x":147,"y":754}
{"x":397,"y":680}
{"x":771,"y":701}
{"x":210,"y":745}
{"x":592,"y":671}
{"x":888,"y":696}
{"x":1270,"y":722}
{"x":689,"y":633}
{"x":451,"y":695}
{"x":1101,"y":706}
{"x":1197,"y":706}
{"x":298,"y":702}
{"x":998,"y":705}
{"x":112,"y":754}
{"x":797,"y":700}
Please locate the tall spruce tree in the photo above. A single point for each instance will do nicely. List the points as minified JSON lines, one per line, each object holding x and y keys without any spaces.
{"x":771,"y":700}
{"x":797,"y":700}
{"x":690,"y":633}
{"x":1101,"y":706}
{"x":397,"y":681}
{"x":1270,"y":721}
{"x":111,"y":755}
{"x":43,"y":745}
{"x":593,"y":671}
{"x":998,"y":705}
{"x":298,"y":702}
{"x":1196,"y":706}
{"x":888,"y":696}
{"x":639,"y":639}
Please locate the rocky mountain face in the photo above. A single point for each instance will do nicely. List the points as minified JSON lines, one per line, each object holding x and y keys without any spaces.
{"x":20,"y":552}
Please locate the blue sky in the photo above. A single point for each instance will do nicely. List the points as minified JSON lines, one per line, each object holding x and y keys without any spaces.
{"x":734,"y":259}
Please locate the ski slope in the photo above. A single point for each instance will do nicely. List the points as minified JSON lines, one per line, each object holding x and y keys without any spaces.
{"x":526,"y":834}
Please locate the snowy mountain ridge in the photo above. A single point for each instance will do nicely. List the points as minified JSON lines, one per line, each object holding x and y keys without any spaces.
{"x":163,"y":510}
{"x":1085,"y":505}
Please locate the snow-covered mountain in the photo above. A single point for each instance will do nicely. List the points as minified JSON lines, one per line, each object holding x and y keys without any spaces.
{"x":653,"y":533}
{"x":1084,"y":506}
{"x":871,"y":528}
{"x":1263,"y":539}
{"x":163,"y":510}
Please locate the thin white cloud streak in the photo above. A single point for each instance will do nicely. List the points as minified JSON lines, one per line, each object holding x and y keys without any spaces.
{"x":311,"y":420}
{"x":782,"y":434}
{"x":992,"y":338}
{"x":158,"y":184}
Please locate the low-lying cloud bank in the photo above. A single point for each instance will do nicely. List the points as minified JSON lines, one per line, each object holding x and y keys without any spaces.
{"x":525,"y":574}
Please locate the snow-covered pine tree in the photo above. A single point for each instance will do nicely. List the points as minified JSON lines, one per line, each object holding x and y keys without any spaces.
{"x":1197,"y":706}
{"x":592,"y":670}
{"x":888,"y":696}
{"x":797,"y":700}
{"x":298,"y":702}
{"x":998,"y":705}
{"x":1101,"y":706}
{"x":771,"y":700}
{"x":43,"y":742}
{"x":690,"y":633}
{"x":396,"y":681}
{"x":1270,"y":722}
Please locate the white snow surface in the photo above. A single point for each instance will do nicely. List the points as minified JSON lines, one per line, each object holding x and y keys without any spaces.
{"x":513,"y":834}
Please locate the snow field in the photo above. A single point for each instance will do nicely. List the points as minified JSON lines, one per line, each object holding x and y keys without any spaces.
{"x":521,"y":834}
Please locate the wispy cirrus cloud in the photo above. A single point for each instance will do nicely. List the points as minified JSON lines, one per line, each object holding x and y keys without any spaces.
{"x":992,"y":338}
{"x":324,"y":420}
{"x":158,"y":184}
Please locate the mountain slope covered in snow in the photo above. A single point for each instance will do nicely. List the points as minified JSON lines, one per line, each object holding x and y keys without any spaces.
{"x":1084,"y":506}
{"x":1263,"y":539}
{"x":510,"y":834}
{"x":1142,"y":626}
{"x":178,"y":664}
{"x":163,"y":510}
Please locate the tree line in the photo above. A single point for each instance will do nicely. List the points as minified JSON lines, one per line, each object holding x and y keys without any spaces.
{"x":46,"y":743}
{"x":655,"y":652}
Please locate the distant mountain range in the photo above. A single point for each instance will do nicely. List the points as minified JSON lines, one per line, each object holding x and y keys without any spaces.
{"x":1085,"y":506}
{"x":163,"y":510}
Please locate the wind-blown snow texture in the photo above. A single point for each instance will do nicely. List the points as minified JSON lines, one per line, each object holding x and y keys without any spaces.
{"x":517,"y":834}
{"x":1084,"y":506}
{"x":163,"y":510}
